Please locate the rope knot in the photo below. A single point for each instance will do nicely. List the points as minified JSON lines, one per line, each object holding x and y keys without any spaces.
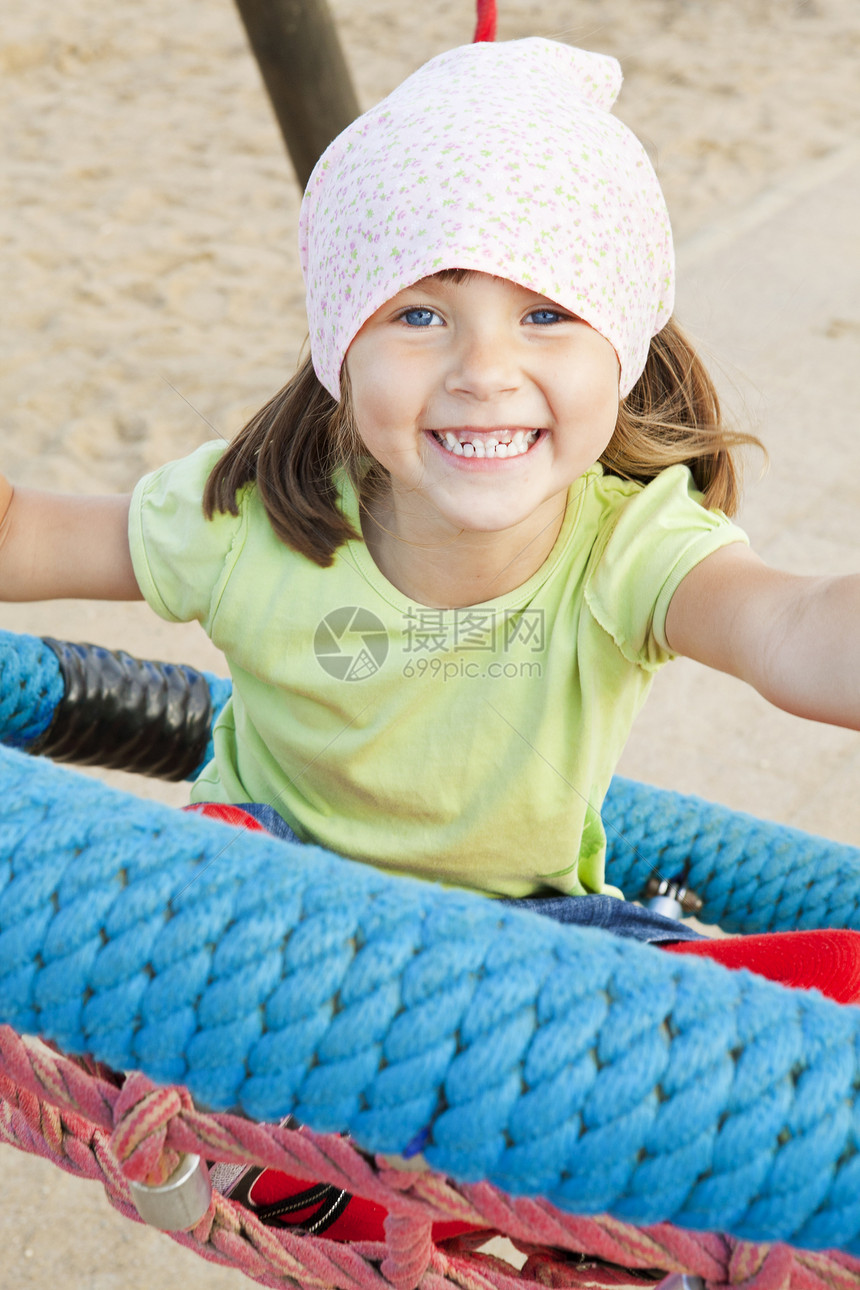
{"x":142,"y":1117}
{"x":408,"y":1249}
{"x":760,"y":1267}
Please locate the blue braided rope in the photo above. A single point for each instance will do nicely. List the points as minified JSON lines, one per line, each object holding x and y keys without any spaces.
{"x":751,"y":874}
{"x":550,"y":1060}
{"x":31,"y":686}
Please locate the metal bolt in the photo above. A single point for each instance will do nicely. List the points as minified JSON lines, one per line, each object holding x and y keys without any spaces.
{"x":684,"y":900}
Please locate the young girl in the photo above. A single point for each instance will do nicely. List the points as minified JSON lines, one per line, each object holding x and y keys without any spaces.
{"x":446,"y":560}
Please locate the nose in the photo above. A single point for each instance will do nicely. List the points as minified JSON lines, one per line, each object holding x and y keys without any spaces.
{"x":484,"y":364}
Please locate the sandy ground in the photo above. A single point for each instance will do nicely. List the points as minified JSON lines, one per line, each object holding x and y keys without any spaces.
{"x":152,"y":298}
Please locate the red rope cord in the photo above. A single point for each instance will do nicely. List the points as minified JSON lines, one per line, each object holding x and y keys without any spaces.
{"x":88,"y":1125}
{"x":485,"y":27}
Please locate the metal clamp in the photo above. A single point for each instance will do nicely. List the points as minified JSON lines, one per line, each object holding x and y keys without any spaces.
{"x":669,"y":896}
{"x":179,"y":1203}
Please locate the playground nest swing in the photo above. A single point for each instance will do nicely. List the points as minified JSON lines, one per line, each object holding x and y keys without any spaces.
{"x":495,"y":1071}
{"x":621,"y":1115}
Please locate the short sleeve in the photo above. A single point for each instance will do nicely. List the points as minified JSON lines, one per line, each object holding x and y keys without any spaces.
{"x":181,"y":560}
{"x":661,"y":532}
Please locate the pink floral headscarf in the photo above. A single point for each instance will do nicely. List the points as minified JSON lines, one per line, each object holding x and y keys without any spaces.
{"x":499,"y":158}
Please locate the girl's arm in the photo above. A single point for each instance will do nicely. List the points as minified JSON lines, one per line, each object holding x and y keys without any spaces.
{"x":56,"y":546}
{"x":796,"y":639}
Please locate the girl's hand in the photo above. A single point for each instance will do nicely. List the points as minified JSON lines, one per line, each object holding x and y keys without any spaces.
{"x":795,"y":639}
{"x":53,"y":546}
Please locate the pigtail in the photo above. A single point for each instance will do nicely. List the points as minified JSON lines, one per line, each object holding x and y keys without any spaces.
{"x":672,"y":416}
{"x":291,"y":450}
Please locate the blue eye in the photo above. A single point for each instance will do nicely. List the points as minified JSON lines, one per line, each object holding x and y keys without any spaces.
{"x":545,"y":316}
{"x":421,"y":318}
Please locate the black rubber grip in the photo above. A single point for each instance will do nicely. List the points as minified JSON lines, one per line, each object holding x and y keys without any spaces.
{"x":125,"y":713}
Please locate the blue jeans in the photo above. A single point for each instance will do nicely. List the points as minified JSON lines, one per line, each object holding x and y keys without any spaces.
{"x":607,"y":912}
{"x":611,"y":914}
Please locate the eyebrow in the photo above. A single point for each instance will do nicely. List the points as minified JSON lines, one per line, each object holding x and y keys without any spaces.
{"x":452,"y":275}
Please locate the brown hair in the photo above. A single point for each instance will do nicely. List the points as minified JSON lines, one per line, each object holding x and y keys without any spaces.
{"x":291,"y":450}
{"x":294,"y":445}
{"x":672,"y":416}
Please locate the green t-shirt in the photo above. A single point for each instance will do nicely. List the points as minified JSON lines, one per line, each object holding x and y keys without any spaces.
{"x":470,"y":746}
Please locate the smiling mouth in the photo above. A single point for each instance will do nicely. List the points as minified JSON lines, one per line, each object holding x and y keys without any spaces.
{"x":499,"y":443}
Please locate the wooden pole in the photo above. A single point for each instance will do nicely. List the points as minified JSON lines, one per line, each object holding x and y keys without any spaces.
{"x":305,"y":73}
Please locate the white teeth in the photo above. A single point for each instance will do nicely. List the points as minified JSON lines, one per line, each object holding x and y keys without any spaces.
{"x":519,"y":444}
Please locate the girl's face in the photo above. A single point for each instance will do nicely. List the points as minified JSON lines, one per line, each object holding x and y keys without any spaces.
{"x":483,"y":400}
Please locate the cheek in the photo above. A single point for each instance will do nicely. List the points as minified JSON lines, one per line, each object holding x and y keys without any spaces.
{"x":611,"y":406}
{"x":592,"y":396}
{"x":387,"y":405}
{"x":365,"y":393}
{"x":369,"y":364}
{"x":376,"y":419}
{"x":603,"y":394}
{"x":591,"y":412}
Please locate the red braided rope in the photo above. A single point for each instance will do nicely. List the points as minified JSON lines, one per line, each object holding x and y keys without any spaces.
{"x":92,"y":1124}
{"x":485,"y":27}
